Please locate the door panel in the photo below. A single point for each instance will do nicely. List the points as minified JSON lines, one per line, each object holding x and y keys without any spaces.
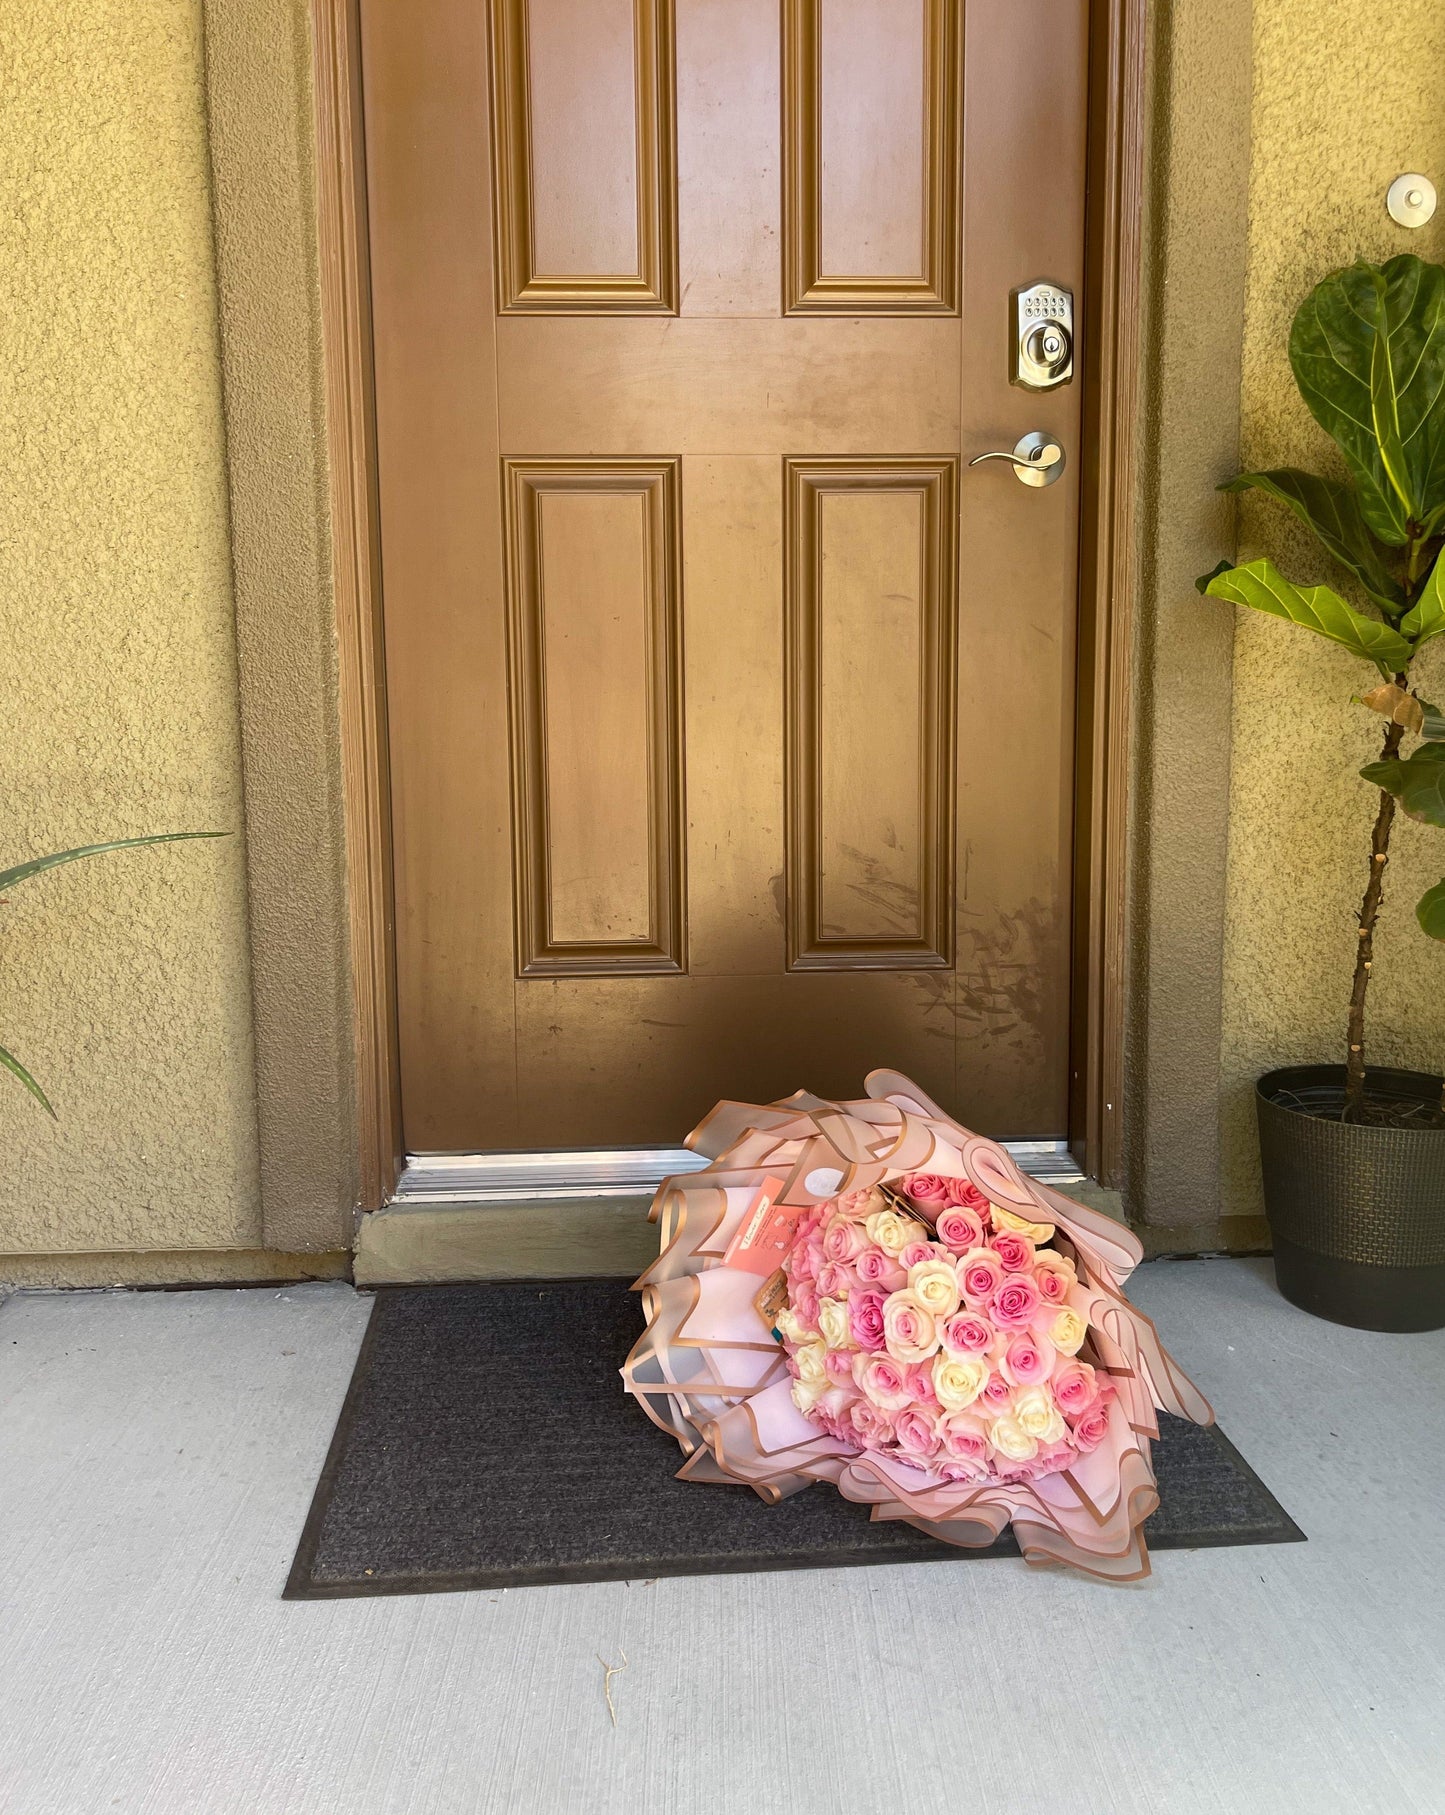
{"x":730,"y":712}
{"x":586,"y":203}
{"x":592,"y":584}
{"x":872,"y":598}
{"x":870,"y":132}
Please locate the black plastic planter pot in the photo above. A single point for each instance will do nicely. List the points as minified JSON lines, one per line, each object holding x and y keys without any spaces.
{"x":1357,"y":1211}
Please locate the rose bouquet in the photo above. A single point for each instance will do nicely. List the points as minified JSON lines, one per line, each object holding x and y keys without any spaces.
{"x":866,"y":1293}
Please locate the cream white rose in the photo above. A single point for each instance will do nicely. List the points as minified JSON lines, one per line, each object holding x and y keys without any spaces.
{"x":788,"y":1327}
{"x":958,"y":1380}
{"x":910,"y":1331}
{"x":810,"y":1363}
{"x":893,"y":1231}
{"x":1010,"y":1439}
{"x":1019,"y":1225}
{"x":934,"y":1283}
{"x":807,"y":1393}
{"x":833,"y":1322}
{"x":1036,"y":1413}
{"x":1067,"y":1331}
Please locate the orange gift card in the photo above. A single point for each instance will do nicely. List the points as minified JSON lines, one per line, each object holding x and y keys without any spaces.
{"x":767,"y":1232}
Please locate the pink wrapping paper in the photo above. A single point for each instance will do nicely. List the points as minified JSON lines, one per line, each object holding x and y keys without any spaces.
{"x":708,"y":1369}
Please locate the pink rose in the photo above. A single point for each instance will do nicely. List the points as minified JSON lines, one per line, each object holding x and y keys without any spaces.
{"x":862,"y":1202}
{"x":844,"y":1241}
{"x":838,"y":1366}
{"x":920,"y":1383}
{"x":964,"y":1438}
{"x":837,"y":1280}
{"x":806,"y":1259}
{"x":865,"y":1320}
{"x":1092,"y":1428}
{"x":885,"y":1381}
{"x":837,"y":1400}
{"x":980,"y":1273}
{"x":916,"y":1433}
{"x":1026,"y":1361}
{"x":1004,"y":1470}
{"x":927,"y":1188}
{"x":909,"y":1330}
{"x":876,"y":1267}
{"x":803,"y":1297}
{"x":1056,"y":1457}
{"x":960,"y":1229}
{"x":996,"y":1394}
{"x":871,"y":1426}
{"x":916,"y":1253}
{"x":966,"y":1333}
{"x":1053,"y":1286}
{"x":1015,"y":1251}
{"x":1075,"y":1389}
{"x":967,"y":1196}
{"x":1013,"y":1305}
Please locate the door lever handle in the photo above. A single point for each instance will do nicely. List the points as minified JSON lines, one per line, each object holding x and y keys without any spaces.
{"x":1037,"y":459}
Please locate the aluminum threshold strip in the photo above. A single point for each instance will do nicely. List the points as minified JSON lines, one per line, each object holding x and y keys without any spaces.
{"x":518,"y":1178}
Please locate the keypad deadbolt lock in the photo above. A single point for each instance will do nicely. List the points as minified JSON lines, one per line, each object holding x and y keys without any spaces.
{"x":1041,"y":337}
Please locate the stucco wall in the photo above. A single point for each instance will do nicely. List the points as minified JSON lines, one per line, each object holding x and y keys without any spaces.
{"x":1347,"y":93}
{"x":124,"y":982}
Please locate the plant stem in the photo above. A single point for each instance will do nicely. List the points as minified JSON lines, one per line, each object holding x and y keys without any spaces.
{"x":1379,"y":855}
{"x":1365,"y":954}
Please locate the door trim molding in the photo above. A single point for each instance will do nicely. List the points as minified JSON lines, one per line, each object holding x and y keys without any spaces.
{"x":1114,"y":230}
{"x":345,"y":292}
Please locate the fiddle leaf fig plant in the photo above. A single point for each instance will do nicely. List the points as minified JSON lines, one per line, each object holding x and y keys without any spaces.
{"x":1367,"y":348}
{"x":22,"y":872}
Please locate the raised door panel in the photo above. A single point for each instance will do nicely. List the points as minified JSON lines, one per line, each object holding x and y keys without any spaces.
{"x":870,"y":687}
{"x":871,"y":149}
{"x":585,"y":136}
{"x":593,"y":620}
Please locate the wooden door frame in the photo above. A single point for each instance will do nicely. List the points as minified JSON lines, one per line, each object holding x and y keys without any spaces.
{"x":1109,"y":363}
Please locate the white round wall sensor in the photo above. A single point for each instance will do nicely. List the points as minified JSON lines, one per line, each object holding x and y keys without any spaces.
{"x":1411,"y":199}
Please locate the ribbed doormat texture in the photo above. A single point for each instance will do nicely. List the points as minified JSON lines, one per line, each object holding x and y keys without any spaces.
{"x":486,"y":1442}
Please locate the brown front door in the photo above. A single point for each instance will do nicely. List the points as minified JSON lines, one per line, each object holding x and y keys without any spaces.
{"x":730,"y":711}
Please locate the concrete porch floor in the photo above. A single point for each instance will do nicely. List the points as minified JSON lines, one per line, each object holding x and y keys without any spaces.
{"x":158,"y":1453}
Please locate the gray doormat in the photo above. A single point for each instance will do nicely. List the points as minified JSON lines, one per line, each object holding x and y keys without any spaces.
{"x":486,"y":1442}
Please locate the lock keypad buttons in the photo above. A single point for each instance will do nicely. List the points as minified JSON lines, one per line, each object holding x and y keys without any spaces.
{"x":1041,"y":337}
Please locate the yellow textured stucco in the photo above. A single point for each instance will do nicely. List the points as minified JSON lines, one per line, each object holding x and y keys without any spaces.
{"x":123,"y":982}
{"x":1346,"y":96}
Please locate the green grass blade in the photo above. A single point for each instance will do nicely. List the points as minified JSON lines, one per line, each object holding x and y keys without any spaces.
{"x":21,"y":871}
{"x":12,"y":1064}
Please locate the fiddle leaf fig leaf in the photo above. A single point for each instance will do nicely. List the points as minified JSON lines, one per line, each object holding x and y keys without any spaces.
{"x":1417,"y":782}
{"x":1261,"y":586}
{"x":8,"y":878}
{"x":1219,"y":567}
{"x":1395,"y":704}
{"x":1331,"y":508}
{"x":1388,"y":774}
{"x":1368,"y":351}
{"x":1426,"y":617}
{"x":1430,"y":911}
{"x":13,"y":1065}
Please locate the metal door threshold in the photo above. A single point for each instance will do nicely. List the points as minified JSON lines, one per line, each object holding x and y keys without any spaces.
{"x":519,"y":1178}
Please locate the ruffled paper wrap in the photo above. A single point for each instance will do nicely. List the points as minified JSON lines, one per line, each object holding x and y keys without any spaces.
{"x":708,"y":1369}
